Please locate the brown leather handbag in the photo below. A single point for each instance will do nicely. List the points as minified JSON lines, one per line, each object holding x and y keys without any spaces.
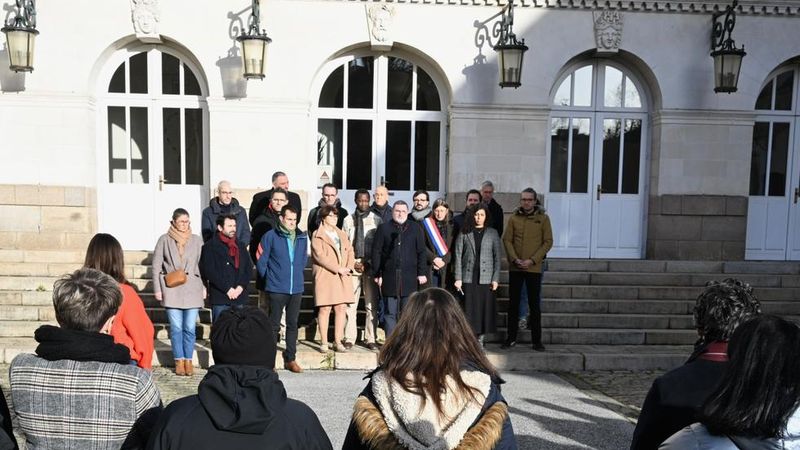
{"x":175,"y":278}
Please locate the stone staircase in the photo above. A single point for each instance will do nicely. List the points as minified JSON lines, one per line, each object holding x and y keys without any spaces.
{"x":597,"y":314}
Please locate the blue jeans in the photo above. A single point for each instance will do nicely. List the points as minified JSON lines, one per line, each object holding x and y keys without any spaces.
{"x":216,"y":310}
{"x":182,"y":326}
{"x":392,"y":307}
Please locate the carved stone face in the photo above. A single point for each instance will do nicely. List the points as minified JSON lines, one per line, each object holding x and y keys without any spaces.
{"x":608,"y":38}
{"x":381,"y":18}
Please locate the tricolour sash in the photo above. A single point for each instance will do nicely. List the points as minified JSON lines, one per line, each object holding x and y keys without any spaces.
{"x":436,"y":237}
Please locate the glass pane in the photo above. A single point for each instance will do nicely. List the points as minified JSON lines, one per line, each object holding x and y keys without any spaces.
{"x":398,"y":155}
{"x":582,"y":95}
{"x":333,"y":90}
{"x":193,"y":124}
{"x":778,"y":158}
{"x":117,"y":145}
{"x":426,"y":156}
{"x":612,"y":128}
{"x":117,"y":83}
{"x":612,"y":94}
{"x":140,"y":157}
{"x":758,"y":158}
{"x":765,"y":97}
{"x":579,"y":171}
{"x":631,"y":155}
{"x":399,"y":86}
{"x":172,"y":145}
{"x":632,"y":98}
{"x":190,"y":84}
{"x":359,"y":154}
{"x":427,"y":94}
{"x":359,"y":85}
{"x":559,"y":153}
{"x":329,"y":151}
{"x":170,"y":74}
{"x":138,"y":73}
{"x":562,"y":97}
{"x":783,"y":91}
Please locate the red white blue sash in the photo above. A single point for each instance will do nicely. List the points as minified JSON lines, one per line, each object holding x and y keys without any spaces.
{"x":435,"y":236}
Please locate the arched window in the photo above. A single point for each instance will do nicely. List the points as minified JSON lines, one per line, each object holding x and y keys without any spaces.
{"x":380,"y":121}
{"x":596,"y":153}
{"x":152,"y":142}
{"x":775,"y":170}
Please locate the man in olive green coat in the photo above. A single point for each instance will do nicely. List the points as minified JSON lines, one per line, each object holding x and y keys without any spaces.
{"x":527,"y":239}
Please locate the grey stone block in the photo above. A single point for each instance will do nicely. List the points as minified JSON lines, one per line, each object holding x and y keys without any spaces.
{"x":733,"y":250}
{"x":604,"y":292}
{"x":670,"y":337}
{"x":700,"y":250}
{"x":785,"y":294}
{"x":636,"y":266}
{"x":781,"y":308}
{"x":703,"y":205}
{"x":790,"y":281}
{"x":724,"y":228}
{"x":523,"y":358}
{"x":650,"y":307}
{"x":654,"y":205}
{"x":754,"y":280}
{"x":551,"y":320}
{"x":671,"y":204}
{"x":694,"y":266}
{"x":640,"y":279}
{"x":736,"y":206}
{"x":596,"y":336}
{"x":773,"y":267}
{"x":567,"y":277}
{"x":576,"y":265}
{"x":622,"y":361}
{"x":665,"y":249}
{"x":668,"y":293}
{"x":623,"y":321}
{"x":575,"y":306}
{"x":684,"y":228}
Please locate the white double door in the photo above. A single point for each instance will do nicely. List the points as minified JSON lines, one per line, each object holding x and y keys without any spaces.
{"x":773,"y":216}
{"x":597,"y":185}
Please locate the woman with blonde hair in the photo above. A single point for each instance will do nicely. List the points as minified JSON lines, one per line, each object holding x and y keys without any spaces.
{"x":179,"y":251}
{"x":132,"y":326}
{"x":333,"y":260}
{"x":433,"y":388}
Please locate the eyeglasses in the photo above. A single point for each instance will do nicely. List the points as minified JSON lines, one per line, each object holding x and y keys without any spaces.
{"x":280,"y":200}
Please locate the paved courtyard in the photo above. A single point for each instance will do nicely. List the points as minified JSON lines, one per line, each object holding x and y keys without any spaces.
{"x":585,"y":410}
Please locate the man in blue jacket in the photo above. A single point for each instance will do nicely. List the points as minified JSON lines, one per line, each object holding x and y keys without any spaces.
{"x":225,"y":268}
{"x":282,"y":258}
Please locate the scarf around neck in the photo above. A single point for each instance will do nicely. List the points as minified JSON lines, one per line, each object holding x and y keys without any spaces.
{"x":233,"y":248}
{"x":60,"y":343}
{"x":359,"y":238}
{"x":419,"y":215}
{"x":181,"y":238}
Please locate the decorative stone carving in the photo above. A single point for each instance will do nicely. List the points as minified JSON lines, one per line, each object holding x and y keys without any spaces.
{"x":145,"y":15}
{"x":379,"y":23}
{"x":607,"y":30}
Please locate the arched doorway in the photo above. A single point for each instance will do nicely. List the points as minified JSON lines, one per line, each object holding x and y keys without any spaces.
{"x":152,"y":143}
{"x":597,"y":153}
{"x":381,"y":120}
{"x":773,"y":215}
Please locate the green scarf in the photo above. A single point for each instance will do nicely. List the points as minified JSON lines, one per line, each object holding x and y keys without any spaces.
{"x":291,"y":234}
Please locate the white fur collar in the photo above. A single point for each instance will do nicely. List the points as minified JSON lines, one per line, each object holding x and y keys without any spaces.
{"x":420,"y":428}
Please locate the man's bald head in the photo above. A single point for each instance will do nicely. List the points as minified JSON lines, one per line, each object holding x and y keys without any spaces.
{"x":381,"y":196}
{"x":224,"y":192}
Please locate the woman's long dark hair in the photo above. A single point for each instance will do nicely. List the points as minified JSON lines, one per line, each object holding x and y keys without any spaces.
{"x":432,"y":341}
{"x":105,"y":254}
{"x":469,"y":221}
{"x":761,"y":386}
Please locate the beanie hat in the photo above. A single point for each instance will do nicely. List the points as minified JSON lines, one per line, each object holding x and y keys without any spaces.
{"x":243,"y":336}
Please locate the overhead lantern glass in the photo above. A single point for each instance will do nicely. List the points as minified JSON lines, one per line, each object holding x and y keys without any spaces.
{"x":254,"y":45}
{"x":510,"y":51}
{"x":727,"y":58}
{"x":20,"y":34}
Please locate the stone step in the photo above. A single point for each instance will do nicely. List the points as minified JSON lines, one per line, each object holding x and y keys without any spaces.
{"x":604,"y":336}
{"x":657,"y":266}
{"x":665,"y":279}
{"x":66,"y":256}
{"x":557,"y":358}
{"x":653,"y":292}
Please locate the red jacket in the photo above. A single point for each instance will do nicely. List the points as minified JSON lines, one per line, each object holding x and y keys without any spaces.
{"x":133,"y":328}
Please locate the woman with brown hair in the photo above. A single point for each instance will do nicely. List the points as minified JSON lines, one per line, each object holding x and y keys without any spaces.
{"x":179,"y":251}
{"x":333,"y":260}
{"x":433,"y":384}
{"x":132,"y":327}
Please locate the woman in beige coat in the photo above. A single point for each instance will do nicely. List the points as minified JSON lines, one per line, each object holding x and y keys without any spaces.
{"x":333,"y":258}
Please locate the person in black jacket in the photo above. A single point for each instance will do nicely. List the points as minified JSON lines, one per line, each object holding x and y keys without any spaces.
{"x":495,"y":210}
{"x":225,"y":268}
{"x":240,"y":403}
{"x":330,"y":196}
{"x":399,"y":262}
{"x":7,"y":440}
{"x":675,"y":399}
{"x":225,"y":203}
{"x":473,"y":198}
{"x":261,"y":199}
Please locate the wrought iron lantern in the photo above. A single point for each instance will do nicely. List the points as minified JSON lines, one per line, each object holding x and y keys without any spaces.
{"x":254,"y":45}
{"x":510,"y":51}
{"x":20,"y":36}
{"x":727,"y":58}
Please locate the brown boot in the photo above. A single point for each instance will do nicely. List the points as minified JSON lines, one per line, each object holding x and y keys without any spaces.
{"x":292,"y":366}
{"x":188,"y":367}
{"x":179,"y":369}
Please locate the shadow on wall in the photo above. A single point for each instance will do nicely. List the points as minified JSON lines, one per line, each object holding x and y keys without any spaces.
{"x":231,"y":70}
{"x":10,"y":81}
{"x":480,"y":72}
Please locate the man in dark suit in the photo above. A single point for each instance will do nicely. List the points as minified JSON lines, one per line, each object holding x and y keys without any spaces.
{"x":225,"y":268}
{"x":676,"y":397}
{"x":261,"y":200}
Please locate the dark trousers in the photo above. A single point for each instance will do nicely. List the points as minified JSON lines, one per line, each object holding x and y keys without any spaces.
{"x":532,"y":282}
{"x":277,"y":302}
{"x":392,"y":307}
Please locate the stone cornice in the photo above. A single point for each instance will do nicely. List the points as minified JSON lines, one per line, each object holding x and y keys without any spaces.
{"x":498,"y":112}
{"x":751,"y":7}
{"x":703,"y":117}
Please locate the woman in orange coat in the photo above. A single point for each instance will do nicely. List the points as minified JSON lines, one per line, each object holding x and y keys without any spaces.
{"x":333,"y":258}
{"x":132,"y":327}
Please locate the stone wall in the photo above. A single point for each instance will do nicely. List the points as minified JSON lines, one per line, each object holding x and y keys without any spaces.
{"x":37,"y":217}
{"x":697,"y":227}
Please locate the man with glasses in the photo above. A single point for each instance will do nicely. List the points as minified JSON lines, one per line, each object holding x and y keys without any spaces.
{"x":422,"y":208}
{"x":261,"y":200}
{"x":223,"y":204}
{"x":330,"y":196}
{"x":527,"y":240}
